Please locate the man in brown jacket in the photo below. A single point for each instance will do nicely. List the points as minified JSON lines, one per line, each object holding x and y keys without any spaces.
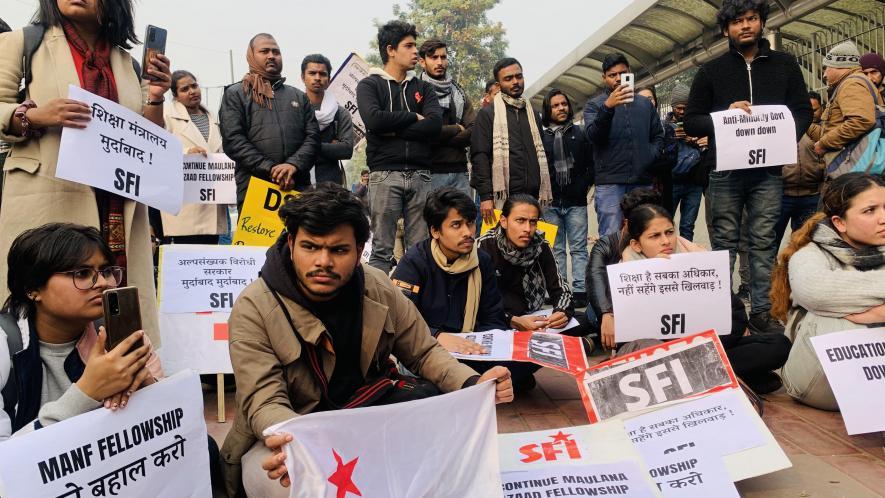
{"x":851,"y":113}
{"x":315,"y":332}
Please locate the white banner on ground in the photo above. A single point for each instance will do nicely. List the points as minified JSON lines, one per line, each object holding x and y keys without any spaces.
{"x":394,"y":450}
{"x":195,"y":340}
{"x":343,"y":87}
{"x":156,"y":446}
{"x":209,"y":179}
{"x":602,"y":479}
{"x":765,"y":138}
{"x":200,"y":278}
{"x":123,"y":153}
{"x":685,"y":294}
{"x":854,"y":363}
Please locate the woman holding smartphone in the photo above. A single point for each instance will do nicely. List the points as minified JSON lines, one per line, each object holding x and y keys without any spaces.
{"x":83,"y":43}
{"x":59,"y":364}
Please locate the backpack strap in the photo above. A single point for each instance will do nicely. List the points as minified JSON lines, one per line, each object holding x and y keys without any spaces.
{"x":33,"y":34}
{"x":13,"y":333}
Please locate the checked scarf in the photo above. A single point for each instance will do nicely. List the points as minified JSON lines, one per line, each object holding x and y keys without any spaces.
{"x":534,"y":286}
{"x":501,"y":150}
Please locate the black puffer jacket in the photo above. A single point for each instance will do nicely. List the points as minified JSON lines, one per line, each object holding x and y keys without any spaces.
{"x":258,"y":138}
{"x":605,"y":252}
{"x":576,"y":145}
{"x":525,"y":170}
{"x":772,"y":78}
{"x":328,"y":165}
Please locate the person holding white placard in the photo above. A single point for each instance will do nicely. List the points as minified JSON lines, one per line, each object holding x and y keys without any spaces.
{"x":197,"y":128}
{"x":831,"y":278}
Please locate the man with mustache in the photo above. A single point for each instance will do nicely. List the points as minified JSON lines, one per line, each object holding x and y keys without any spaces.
{"x":267,"y":127}
{"x":315,"y":332}
{"x":335,"y":123}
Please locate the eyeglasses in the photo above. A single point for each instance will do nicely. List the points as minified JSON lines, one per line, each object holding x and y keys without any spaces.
{"x":85,"y":278}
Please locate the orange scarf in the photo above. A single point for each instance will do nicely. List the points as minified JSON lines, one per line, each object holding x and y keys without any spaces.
{"x":258,"y":82}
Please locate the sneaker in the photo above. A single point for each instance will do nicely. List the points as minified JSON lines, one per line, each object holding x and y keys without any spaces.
{"x":579,"y":299}
{"x":764,"y":323}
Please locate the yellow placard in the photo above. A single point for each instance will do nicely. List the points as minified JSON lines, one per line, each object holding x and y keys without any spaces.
{"x":547,"y":229}
{"x":259,"y":224}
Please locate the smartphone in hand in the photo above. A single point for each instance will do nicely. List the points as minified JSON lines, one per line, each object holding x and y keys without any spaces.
{"x":154,"y":43}
{"x":627,"y":81}
{"x":122,"y":316}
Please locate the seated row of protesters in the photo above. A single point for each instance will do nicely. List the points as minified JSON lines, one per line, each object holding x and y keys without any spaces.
{"x":648,"y":231}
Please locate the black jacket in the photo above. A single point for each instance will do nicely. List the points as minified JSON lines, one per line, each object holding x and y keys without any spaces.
{"x":396,"y":140}
{"x":576,"y":145}
{"x":450,"y":148}
{"x":510,"y":281}
{"x":525,"y":171}
{"x":441,"y":297}
{"x":328,"y":165}
{"x":258,"y":138}
{"x":772,"y":78}
{"x":626,"y":140}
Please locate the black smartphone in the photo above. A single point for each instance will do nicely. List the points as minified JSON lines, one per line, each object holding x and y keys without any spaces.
{"x":154,"y":43}
{"x":122,"y":316}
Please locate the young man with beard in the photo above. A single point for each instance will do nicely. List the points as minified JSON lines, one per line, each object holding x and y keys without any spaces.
{"x":315,"y":332}
{"x":449,"y":152}
{"x":335,"y":123}
{"x":267,"y":127}
{"x":751,"y":73}
{"x":873,"y":66}
{"x":402,"y":117}
{"x":506,"y":148}
{"x":571,"y":174}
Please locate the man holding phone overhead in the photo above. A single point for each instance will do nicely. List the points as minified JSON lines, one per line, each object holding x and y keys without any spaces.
{"x":627,"y":139}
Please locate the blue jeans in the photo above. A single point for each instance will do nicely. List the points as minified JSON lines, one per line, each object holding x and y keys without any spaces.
{"x":460,"y":181}
{"x":572,"y":223}
{"x":394,"y":195}
{"x":689,"y":198}
{"x":795,"y":210}
{"x":608,"y":206}
{"x":759,"y":191}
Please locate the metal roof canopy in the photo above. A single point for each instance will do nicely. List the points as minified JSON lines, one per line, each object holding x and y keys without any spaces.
{"x":666,"y":37}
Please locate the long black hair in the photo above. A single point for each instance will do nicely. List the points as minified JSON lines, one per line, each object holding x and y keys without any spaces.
{"x":115,"y":17}
{"x":547,"y":107}
{"x":39,"y":253}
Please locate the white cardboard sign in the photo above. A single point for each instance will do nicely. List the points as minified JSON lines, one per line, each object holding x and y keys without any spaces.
{"x":200,"y":278}
{"x":854,"y":363}
{"x":209,"y":179}
{"x":602,"y":479}
{"x":666,"y":299}
{"x":198,"y":341}
{"x":765,"y":138}
{"x":343,"y":87}
{"x":156,"y":446}
{"x":123,"y":153}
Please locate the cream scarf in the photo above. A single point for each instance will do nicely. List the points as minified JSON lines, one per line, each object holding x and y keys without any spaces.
{"x":465,"y":263}
{"x":501,"y":150}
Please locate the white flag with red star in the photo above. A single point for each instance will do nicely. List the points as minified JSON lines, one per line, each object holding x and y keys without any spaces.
{"x":445,"y":446}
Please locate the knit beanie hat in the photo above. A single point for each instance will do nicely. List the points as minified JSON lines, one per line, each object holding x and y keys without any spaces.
{"x":679,"y":94}
{"x":872,"y":60}
{"x":843,"y":56}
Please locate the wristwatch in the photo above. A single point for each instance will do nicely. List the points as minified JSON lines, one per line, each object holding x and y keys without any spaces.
{"x":20,"y":113}
{"x":154,"y":102}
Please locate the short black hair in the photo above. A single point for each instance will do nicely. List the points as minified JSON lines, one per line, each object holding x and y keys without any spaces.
{"x":392,"y":34}
{"x":39,"y":253}
{"x":547,"y":106}
{"x":322,"y":208}
{"x":501,"y":64}
{"x":613,"y":59}
{"x":430,"y":46}
{"x":116,"y":20}
{"x":316,"y":59}
{"x":519,"y":199}
{"x":177,"y":76}
{"x":814,"y":95}
{"x":439,"y":202}
{"x":732,"y":9}
{"x":490,"y":84}
{"x":260,"y":35}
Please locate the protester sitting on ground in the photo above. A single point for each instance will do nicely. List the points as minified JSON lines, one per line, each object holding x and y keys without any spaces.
{"x":316,"y":331}
{"x":851,"y":111}
{"x":873,"y":66}
{"x":649,"y":232}
{"x":59,"y":366}
{"x":82,"y":47}
{"x":197,"y":128}
{"x":831,"y":278}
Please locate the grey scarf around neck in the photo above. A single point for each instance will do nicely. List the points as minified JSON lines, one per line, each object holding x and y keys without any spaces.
{"x":447,"y":92}
{"x":866,"y":259}
{"x":563,"y":162}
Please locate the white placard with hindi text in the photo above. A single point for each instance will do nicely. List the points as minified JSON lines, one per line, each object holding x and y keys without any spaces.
{"x":209,"y":179}
{"x":155,"y":446}
{"x":765,"y":138}
{"x":200,"y":278}
{"x":343,"y":87}
{"x":854,"y":363}
{"x":123,"y":153}
{"x":666,"y":299}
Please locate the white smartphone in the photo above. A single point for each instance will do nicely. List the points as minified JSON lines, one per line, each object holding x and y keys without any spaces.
{"x":627,"y":81}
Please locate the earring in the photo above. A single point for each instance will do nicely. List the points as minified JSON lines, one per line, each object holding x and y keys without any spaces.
{"x":31,"y":296}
